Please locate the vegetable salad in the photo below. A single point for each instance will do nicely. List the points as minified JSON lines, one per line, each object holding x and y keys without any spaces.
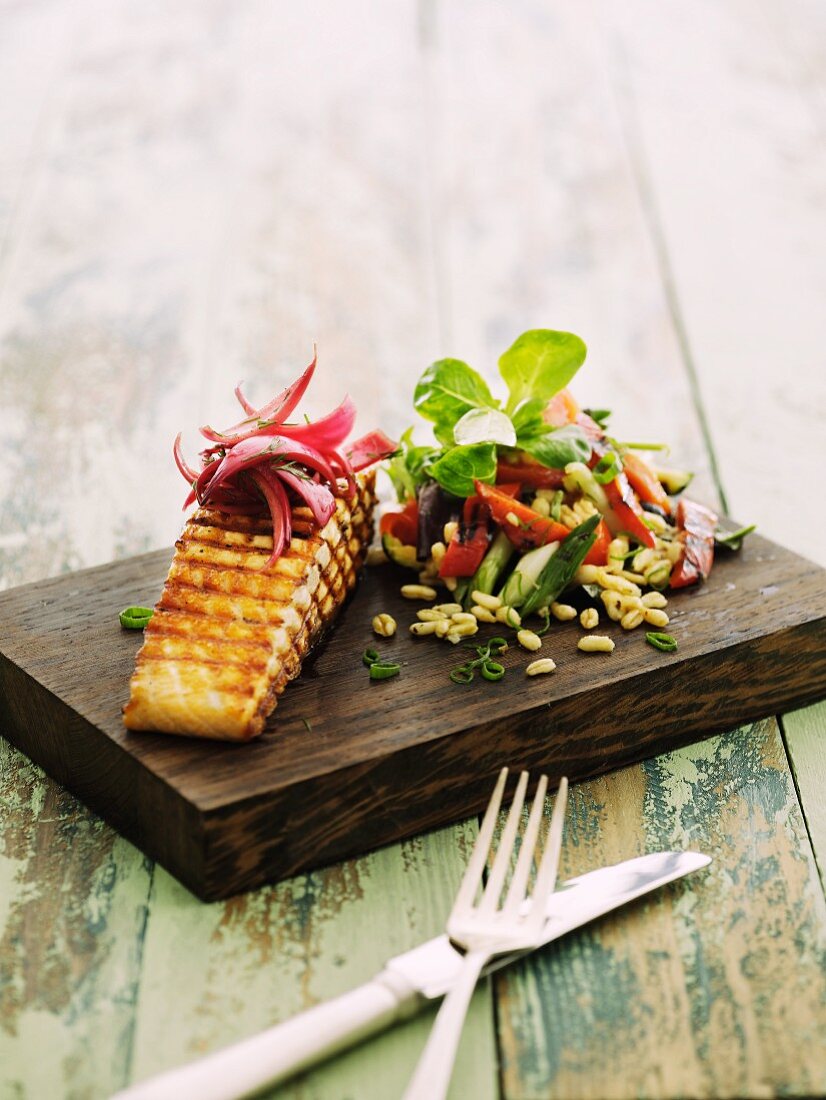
{"x":525,"y":497}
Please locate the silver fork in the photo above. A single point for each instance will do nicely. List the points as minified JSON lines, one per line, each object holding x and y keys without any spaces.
{"x":485,"y":929}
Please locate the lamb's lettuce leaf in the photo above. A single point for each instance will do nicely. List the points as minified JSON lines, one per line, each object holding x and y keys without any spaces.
{"x":469,"y":423}
{"x":558,"y":447}
{"x":406,"y":468}
{"x":485,"y":426}
{"x":446,"y":391}
{"x":539,"y":364}
{"x":527,"y":417}
{"x":457,"y":467}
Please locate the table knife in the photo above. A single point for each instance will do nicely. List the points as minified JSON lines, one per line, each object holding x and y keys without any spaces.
{"x":406,"y":985}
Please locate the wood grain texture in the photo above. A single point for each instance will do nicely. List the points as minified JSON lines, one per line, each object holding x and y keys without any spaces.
{"x":681,"y":994}
{"x":540,"y":218}
{"x":722,"y":109}
{"x":289,"y":946}
{"x":189,"y":197}
{"x":581,"y":238}
{"x":73,"y":908}
{"x":805,"y":735}
{"x":752,"y":641}
{"x":185,"y":200}
{"x":743,"y":241}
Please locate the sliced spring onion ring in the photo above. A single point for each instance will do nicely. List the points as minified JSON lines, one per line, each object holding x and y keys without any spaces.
{"x":492,"y":670}
{"x":462,"y":675}
{"x":135,"y":618}
{"x":733,"y":540}
{"x":384,"y":670}
{"x":607,"y":468}
{"x":666,"y":642}
{"x":545,"y":614}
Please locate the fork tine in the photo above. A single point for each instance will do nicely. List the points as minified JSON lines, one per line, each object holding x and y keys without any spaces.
{"x":516,"y":892}
{"x":546,"y":875}
{"x":479,"y":855}
{"x":505,"y":849}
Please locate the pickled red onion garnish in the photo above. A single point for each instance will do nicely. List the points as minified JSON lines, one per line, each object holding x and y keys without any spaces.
{"x":263,"y":463}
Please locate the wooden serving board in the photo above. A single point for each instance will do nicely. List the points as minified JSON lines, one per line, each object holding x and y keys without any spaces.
{"x":347,"y":764}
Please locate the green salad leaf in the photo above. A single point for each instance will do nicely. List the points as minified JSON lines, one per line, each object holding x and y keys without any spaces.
{"x":527,"y":417}
{"x":446,"y":391}
{"x":485,"y":426}
{"x":557,"y":447}
{"x":457,"y":468}
{"x":469,"y":422}
{"x":406,"y":468}
{"x":540,"y":363}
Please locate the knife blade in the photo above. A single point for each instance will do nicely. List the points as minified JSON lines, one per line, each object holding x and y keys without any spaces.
{"x":404,"y":987}
{"x":432,"y":967}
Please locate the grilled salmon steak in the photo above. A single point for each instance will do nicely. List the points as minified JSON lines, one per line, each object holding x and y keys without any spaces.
{"x":227,"y":634}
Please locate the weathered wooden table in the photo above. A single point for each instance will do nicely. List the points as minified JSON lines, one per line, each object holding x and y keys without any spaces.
{"x":191,"y":194}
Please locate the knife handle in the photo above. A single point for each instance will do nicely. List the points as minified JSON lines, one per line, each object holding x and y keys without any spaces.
{"x":246,"y":1067}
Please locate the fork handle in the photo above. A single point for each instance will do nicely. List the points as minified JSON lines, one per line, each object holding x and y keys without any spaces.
{"x":431,"y":1078}
{"x":272,"y":1056}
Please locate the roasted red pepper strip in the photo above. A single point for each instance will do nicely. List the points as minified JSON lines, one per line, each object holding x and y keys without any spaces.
{"x":471,"y":508}
{"x":697,"y":525}
{"x":531,"y":528}
{"x":466,"y":550}
{"x":403,"y":525}
{"x":645,"y":482}
{"x":628,"y":510}
{"x":470,"y":541}
{"x":598,"y":554}
{"x":530,"y":474}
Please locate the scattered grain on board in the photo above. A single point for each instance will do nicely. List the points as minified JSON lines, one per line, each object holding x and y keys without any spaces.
{"x":484,"y":599}
{"x":384,"y":625}
{"x":420,"y":629}
{"x":540,"y":667}
{"x":596,"y":643}
{"x":589,"y":618}
{"x":656,"y":617}
{"x":418,"y":592}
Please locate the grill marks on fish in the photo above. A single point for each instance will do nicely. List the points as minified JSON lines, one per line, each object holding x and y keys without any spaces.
{"x":227,"y":635}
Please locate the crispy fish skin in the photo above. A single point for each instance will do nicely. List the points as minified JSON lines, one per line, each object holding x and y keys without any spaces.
{"x":228,"y":635}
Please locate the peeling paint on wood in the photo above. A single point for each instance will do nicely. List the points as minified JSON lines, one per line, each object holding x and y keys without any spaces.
{"x":73,"y":899}
{"x":687,"y":992}
{"x":805,"y":732}
{"x":216,"y":973}
{"x":411,"y":196}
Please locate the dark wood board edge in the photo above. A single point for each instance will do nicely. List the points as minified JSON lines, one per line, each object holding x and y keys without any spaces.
{"x":109,"y":780}
{"x":415,"y":790}
{"x":223,"y":849}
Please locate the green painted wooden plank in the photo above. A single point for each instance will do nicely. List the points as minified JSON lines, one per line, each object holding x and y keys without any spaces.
{"x":215,"y":973}
{"x":577,"y":203}
{"x":698,"y":83}
{"x":73,"y":902}
{"x":315,"y":231}
{"x":805,"y":734}
{"x":714,"y":986}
